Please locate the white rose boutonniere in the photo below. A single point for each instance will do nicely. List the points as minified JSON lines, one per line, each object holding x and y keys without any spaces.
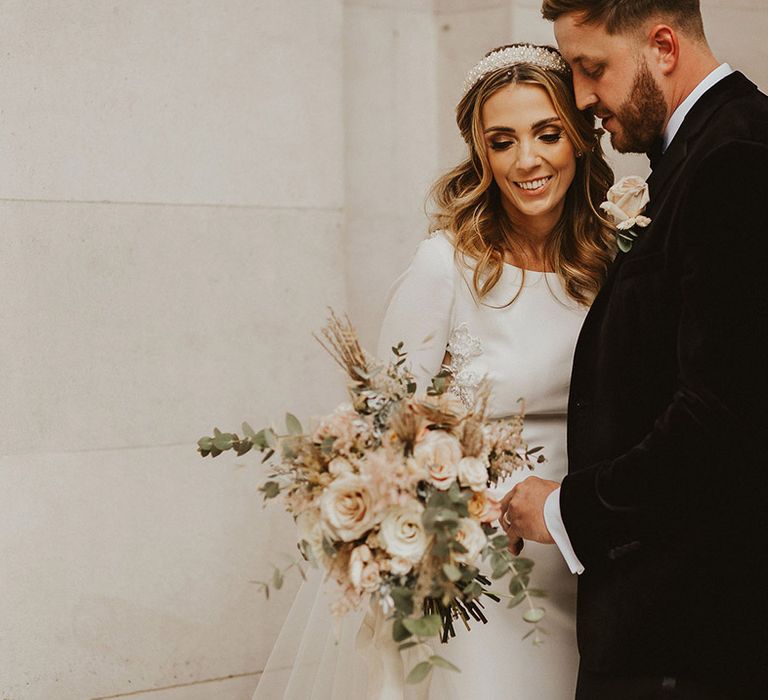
{"x":625,"y":205}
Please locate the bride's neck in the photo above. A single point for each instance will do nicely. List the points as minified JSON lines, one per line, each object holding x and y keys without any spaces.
{"x":531,"y":236}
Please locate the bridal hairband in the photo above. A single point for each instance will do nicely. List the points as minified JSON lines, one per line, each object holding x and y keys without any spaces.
{"x":512,"y":56}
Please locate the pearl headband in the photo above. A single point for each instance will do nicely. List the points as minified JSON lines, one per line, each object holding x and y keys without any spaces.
{"x":539,"y":56}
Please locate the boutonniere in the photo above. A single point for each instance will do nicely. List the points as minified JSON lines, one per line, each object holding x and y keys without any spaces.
{"x":625,"y":205}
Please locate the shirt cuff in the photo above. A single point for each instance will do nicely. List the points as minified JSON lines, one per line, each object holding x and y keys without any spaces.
{"x":556,"y":527}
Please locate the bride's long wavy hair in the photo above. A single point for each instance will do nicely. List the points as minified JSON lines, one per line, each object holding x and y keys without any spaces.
{"x":468,"y":201}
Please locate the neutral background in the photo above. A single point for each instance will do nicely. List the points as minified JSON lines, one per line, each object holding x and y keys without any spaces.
{"x":185,"y":186}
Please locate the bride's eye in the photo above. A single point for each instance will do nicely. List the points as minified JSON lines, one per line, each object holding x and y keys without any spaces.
{"x":552,"y":137}
{"x":501,"y":145}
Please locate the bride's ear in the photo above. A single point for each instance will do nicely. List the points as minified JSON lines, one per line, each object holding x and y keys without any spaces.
{"x":664,"y":48}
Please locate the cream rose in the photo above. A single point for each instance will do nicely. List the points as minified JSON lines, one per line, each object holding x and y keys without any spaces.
{"x":364,"y":572}
{"x":484,"y":508}
{"x":347,"y":508}
{"x":626,"y":202}
{"x":439,"y":453}
{"x":402,"y":532}
{"x":340,"y":466}
{"x":473,"y":473}
{"x":471,"y":535}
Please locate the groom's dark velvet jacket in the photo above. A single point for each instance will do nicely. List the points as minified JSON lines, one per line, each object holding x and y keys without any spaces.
{"x":666,"y":498}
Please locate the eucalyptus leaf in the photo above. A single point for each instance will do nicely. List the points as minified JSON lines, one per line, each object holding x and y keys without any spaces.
{"x":270,"y":489}
{"x":205,"y":443}
{"x":427,"y":626}
{"x":522,"y":565}
{"x":328,"y":547}
{"x":260,"y":439}
{"x":223,"y":441}
{"x":242,"y":447}
{"x":277,"y":579}
{"x":452,"y":572}
{"x":399,"y":631}
{"x":534,"y":615}
{"x":419,"y":673}
{"x":516,"y":600}
{"x":293,"y":424}
{"x":403,"y":598}
{"x":271,"y":438}
{"x":248,"y":431}
{"x":443,"y":663}
{"x":407,"y":645}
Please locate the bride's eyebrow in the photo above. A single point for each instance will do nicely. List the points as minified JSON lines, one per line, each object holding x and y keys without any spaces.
{"x":509,"y":130}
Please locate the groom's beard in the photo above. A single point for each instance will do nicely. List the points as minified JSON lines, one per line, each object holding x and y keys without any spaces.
{"x":642,"y":117}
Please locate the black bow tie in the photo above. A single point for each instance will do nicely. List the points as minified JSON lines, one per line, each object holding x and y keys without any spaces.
{"x":655,"y":152}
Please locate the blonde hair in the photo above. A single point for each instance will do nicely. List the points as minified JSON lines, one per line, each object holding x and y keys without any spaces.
{"x":468,"y":200}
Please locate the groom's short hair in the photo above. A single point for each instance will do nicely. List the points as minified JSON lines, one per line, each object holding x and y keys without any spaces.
{"x":619,"y":16}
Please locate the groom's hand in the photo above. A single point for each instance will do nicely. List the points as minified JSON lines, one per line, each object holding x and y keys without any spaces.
{"x":522,"y":510}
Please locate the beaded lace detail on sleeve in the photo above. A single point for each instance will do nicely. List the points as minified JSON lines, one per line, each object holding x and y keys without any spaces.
{"x":464,"y":347}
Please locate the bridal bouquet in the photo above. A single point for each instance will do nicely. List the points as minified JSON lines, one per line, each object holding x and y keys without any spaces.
{"x":391,"y":497}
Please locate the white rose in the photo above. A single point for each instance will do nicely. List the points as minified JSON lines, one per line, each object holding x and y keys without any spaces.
{"x":399,"y":566}
{"x":347,"y":508}
{"x":471,"y":535}
{"x":311,"y":531}
{"x":439,"y":453}
{"x":340,"y":467}
{"x":626,"y":202}
{"x":402,"y":532}
{"x":473,"y":473}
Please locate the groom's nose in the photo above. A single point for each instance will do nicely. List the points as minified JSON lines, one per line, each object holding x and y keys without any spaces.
{"x":585,"y":98}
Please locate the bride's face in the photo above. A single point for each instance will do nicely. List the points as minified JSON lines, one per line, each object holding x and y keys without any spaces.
{"x":531,"y":156}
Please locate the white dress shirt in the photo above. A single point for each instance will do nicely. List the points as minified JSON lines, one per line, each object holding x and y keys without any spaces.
{"x":552,"y":516}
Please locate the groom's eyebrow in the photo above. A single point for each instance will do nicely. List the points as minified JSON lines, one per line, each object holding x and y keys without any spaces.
{"x":536,"y":125}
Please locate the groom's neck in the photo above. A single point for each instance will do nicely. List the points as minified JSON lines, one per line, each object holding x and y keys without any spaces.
{"x":696,"y":62}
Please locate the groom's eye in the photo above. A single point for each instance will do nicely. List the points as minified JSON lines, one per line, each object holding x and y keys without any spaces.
{"x":592,"y":73}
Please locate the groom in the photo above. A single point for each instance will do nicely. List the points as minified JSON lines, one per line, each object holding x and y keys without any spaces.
{"x":663,"y":511}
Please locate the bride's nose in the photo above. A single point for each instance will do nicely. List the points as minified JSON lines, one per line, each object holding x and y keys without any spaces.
{"x":527,"y":156}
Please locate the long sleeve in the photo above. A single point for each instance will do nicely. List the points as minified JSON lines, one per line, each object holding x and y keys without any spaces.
{"x":420,"y":308}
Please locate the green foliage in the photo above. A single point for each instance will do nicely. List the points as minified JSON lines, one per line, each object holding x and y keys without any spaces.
{"x":293,"y":425}
{"x":419,"y":673}
{"x":533,"y":615}
{"x":427,"y":626}
{"x":443,"y":663}
{"x":270,"y":489}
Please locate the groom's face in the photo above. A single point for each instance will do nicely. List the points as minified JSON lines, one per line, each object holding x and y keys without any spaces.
{"x":611,"y":76}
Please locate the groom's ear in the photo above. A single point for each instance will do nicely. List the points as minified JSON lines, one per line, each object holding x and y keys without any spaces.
{"x":663,"y":47}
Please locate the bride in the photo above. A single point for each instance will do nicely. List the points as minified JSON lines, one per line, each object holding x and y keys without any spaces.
{"x":499,"y":289}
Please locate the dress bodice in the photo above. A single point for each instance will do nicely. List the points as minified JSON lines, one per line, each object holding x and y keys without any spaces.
{"x":525,"y":348}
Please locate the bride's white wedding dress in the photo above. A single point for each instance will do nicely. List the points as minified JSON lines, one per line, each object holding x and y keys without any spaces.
{"x":526,"y":350}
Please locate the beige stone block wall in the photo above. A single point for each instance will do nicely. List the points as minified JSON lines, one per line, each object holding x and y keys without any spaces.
{"x":172,"y":204}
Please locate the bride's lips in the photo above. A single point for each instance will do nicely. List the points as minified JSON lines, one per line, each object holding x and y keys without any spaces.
{"x":534,"y":192}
